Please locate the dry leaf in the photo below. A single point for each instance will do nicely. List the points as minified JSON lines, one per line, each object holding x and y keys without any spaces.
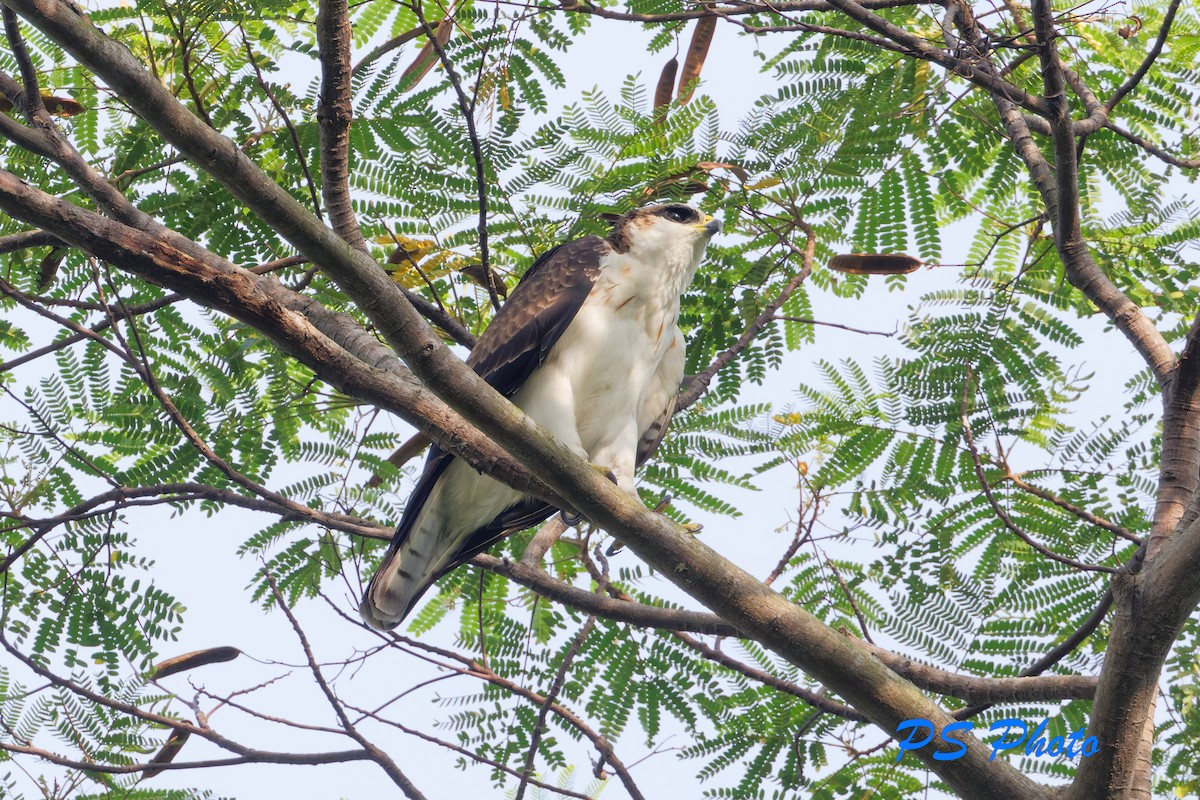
{"x":1129,"y":31}
{"x":765,"y":183}
{"x":409,"y":251}
{"x":697,"y":52}
{"x":875,"y":263}
{"x":475,"y":273}
{"x":709,"y":166}
{"x":48,"y":269}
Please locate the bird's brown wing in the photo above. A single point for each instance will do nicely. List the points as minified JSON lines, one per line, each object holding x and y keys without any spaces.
{"x":516,"y":342}
{"x":548,"y":297}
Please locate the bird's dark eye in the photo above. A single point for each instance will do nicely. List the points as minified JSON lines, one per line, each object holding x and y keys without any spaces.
{"x":680,"y":214}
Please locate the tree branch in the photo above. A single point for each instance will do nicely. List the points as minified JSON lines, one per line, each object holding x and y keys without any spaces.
{"x":966,"y":687}
{"x":381,"y":758}
{"x":1153,"y":149}
{"x":1070,"y":508}
{"x":1135,"y":79}
{"x":21,"y":241}
{"x":130,"y":312}
{"x":283,"y":315}
{"x":1059,"y":191}
{"x":335,"y":110}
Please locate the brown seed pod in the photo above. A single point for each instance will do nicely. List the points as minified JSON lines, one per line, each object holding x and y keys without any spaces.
{"x":875,"y":263}
{"x":61,"y":106}
{"x":168,"y":751}
{"x":425,"y":59}
{"x":48,"y":269}
{"x":666,"y":84}
{"x":197,"y":658}
{"x":697,"y":52}
{"x":475,"y":272}
{"x":1129,"y":31}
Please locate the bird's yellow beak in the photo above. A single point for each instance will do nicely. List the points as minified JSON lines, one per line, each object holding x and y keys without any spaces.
{"x":710,"y":225}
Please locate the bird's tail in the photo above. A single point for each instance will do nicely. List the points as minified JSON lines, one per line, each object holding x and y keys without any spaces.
{"x":429,"y":539}
{"x":393,"y":590}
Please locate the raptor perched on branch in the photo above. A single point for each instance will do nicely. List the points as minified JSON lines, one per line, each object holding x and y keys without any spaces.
{"x":588,"y":346}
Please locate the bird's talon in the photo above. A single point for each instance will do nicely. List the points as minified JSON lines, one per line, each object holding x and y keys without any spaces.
{"x":664,"y":503}
{"x":605,"y":471}
{"x":570,"y":519}
{"x":693,"y":527}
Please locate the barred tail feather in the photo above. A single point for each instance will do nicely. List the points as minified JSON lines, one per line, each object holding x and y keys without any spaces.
{"x":392,"y":593}
{"x":461,"y":502}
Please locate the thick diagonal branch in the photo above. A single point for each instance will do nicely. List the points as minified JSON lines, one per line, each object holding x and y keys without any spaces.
{"x":279,"y":313}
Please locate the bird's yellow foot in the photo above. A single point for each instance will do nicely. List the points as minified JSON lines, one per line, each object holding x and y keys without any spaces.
{"x":664,"y":503}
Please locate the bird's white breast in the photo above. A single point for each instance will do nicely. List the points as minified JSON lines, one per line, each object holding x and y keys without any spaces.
{"x":617,"y":364}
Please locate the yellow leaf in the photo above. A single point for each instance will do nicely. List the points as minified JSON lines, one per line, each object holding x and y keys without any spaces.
{"x":765,"y":183}
{"x":408,"y":250}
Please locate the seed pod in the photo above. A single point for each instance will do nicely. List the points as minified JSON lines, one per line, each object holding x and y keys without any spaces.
{"x":875,"y":263}
{"x":475,"y":272}
{"x":666,"y":84}
{"x":697,"y":52}
{"x":168,"y":751}
{"x":60,"y":106}
{"x":197,"y":658}
{"x":428,"y":56}
{"x":48,"y":269}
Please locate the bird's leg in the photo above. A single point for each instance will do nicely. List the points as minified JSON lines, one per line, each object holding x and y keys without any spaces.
{"x":573,"y":518}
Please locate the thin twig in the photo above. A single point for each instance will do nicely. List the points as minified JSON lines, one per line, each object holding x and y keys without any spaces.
{"x":862,"y":620}
{"x":698,"y":386}
{"x":995,"y":504}
{"x":377,"y":755}
{"x":468,"y":112}
{"x":560,"y":677}
{"x":1082,"y":513}
{"x":287,"y":122}
{"x":462,"y":751}
{"x":806,"y":321}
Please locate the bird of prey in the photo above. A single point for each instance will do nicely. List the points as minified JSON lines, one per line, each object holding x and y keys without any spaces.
{"x":589,"y":346}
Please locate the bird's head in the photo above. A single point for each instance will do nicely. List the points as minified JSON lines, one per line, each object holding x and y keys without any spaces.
{"x":669,"y":226}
